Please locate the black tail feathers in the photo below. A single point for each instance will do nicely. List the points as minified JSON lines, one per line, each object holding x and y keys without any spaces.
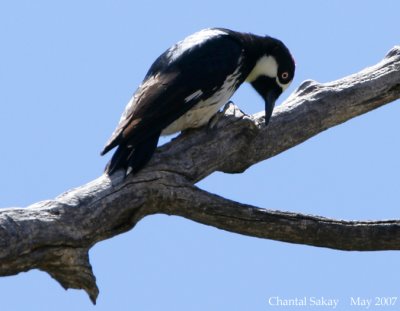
{"x":132,"y":159}
{"x":118,"y":160}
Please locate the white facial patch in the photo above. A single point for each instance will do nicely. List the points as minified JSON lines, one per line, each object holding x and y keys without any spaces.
{"x":193,"y":40}
{"x":266,"y":66}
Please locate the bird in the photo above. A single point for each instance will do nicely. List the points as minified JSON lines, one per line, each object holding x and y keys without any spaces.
{"x":188,"y":84}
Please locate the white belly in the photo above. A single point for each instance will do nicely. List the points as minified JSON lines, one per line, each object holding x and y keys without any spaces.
{"x":195,"y":117}
{"x":203,"y":111}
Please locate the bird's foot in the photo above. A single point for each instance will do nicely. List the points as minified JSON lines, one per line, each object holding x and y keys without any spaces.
{"x":215,"y":118}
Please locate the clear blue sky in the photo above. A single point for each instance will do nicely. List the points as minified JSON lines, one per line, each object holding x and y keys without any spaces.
{"x":67,"y":69}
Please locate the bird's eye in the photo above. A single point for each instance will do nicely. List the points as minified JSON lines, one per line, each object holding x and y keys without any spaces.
{"x":285,"y":75}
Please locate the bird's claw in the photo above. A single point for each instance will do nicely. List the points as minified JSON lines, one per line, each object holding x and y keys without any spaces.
{"x":215,"y":118}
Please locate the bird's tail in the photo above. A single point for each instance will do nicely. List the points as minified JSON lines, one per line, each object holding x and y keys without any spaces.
{"x":132,"y":159}
{"x":118,"y":160}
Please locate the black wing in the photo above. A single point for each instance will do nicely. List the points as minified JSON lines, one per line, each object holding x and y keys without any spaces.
{"x":160,"y":99}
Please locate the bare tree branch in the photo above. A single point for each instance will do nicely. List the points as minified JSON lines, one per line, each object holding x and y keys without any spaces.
{"x":55,"y":235}
{"x":209,"y":209}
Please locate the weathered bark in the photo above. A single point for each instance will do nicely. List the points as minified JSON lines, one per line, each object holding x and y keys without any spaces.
{"x":55,"y":235}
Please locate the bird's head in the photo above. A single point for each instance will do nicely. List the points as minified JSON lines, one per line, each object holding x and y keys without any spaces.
{"x":272,"y":72}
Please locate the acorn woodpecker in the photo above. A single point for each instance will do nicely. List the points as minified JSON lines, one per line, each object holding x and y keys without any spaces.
{"x":188,"y":84}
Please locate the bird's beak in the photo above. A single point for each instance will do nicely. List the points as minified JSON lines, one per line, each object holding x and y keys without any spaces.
{"x":270,"y":100}
{"x":269,"y":90}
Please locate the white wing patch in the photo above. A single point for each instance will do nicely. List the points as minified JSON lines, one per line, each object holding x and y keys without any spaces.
{"x":195,"y":95}
{"x":189,"y":42}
